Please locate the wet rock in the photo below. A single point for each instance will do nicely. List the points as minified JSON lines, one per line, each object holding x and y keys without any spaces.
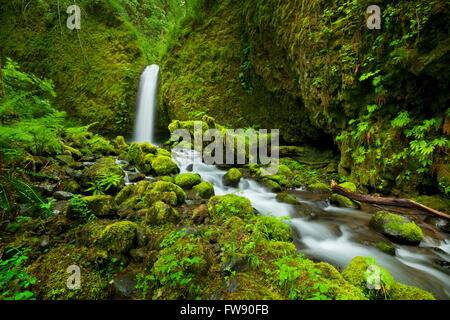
{"x":62,"y":195}
{"x":232,"y":284}
{"x":319,"y":187}
{"x":58,"y":206}
{"x":232,"y":177}
{"x":204,"y":190}
{"x":343,"y":202}
{"x":187,"y":180}
{"x":76,"y":174}
{"x":134,"y":177}
{"x":44,"y":242}
{"x":284,"y":197}
{"x":397,"y":228}
{"x":235,"y":263}
{"x":200,"y":214}
{"x":124,"y":286}
{"x":46,"y":189}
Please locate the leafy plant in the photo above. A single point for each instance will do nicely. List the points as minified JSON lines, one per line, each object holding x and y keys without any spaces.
{"x":14,"y":282}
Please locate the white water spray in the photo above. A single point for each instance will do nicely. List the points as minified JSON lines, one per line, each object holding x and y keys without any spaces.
{"x":146,"y":105}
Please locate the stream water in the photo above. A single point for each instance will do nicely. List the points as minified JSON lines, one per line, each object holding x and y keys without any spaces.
{"x":321,"y":231}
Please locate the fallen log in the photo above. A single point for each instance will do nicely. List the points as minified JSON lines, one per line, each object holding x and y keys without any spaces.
{"x":395,"y":202}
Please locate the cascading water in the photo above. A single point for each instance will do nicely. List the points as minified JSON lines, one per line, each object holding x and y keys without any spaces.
{"x":146,"y":105}
{"x":326,"y":233}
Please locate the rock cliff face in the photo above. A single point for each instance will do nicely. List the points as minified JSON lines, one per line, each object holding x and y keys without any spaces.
{"x":95,"y":69}
{"x":314,"y":70}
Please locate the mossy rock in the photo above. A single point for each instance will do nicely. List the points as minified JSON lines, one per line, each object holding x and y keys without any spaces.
{"x":163,"y":166}
{"x":204,"y":190}
{"x":350,"y":186}
{"x":249,"y":287}
{"x":101,"y":206}
{"x":319,"y":187}
{"x":232,"y":177}
{"x":163,"y":187}
{"x":343,"y":202}
{"x":146,"y":147}
{"x":50,"y":271}
{"x":386,"y":247}
{"x":103,"y":167}
{"x":273,"y":185}
{"x":397,"y":228}
{"x":160,"y":213}
{"x":163,"y":152}
{"x":284,"y":197}
{"x":355,"y":275}
{"x":338,"y":287}
{"x":187,"y":180}
{"x":121,"y":145}
{"x":285,"y":171}
{"x":274,"y":228}
{"x":145,"y":194}
{"x":229,"y":206}
{"x":118,"y":238}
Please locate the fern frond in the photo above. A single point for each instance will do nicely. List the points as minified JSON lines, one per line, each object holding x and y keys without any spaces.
{"x":26,"y":193}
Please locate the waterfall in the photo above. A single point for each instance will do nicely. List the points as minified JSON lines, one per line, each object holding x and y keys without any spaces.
{"x":146,"y":105}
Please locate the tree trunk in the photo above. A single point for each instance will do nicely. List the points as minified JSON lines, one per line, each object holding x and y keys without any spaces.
{"x":402,"y":203}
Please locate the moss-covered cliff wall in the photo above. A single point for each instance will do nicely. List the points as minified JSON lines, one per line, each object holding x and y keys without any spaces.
{"x":309,"y":67}
{"x":95,"y":69}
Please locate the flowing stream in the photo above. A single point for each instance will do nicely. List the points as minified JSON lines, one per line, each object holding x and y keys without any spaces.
{"x":321,"y":231}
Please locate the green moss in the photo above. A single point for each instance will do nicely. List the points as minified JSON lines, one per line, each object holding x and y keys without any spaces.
{"x":160,"y":213}
{"x":273,"y":228}
{"x":397,"y":228}
{"x":404,"y":292}
{"x":230,"y":205}
{"x":50,"y":270}
{"x":181,"y":269}
{"x":232,"y":177}
{"x":284,"y":170}
{"x":104,"y":167}
{"x":343,"y":202}
{"x":101,"y":206}
{"x":319,"y":187}
{"x":119,"y":237}
{"x":386,"y":247}
{"x":251,"y":288}
{"x":162,"y":187}
{"x":274,"y":186}
{"x":187,"y":180}
{"x":350,"y":186}
{"x":393,"y":290}
{"x":284,"y":197}
{"x":163,"y":166}
{"x":205,"y":190}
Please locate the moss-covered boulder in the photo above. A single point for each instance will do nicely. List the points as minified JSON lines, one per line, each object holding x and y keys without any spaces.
{"x":229,"y":206}
{"x":284,"y":197}
{"x":144,"y":194}
{"x":163,"y":166}
{"x":50,"y":271}
{"x":103,"y":169}
{"x":160,"y":213}
{"x":101,"y":206}
{"x":273,"y":228}
{"x":397,"y":228}
{"x":319,"y":187}
{"x":118,"y":238}
{"x":350,"y":186}
{"x":232,"y":177}
{"x":377,"y":283}
{"x":187,"y":180}
{"x":343,"y":202}
{"x":204,"y":190}
{"x":386,"y":247}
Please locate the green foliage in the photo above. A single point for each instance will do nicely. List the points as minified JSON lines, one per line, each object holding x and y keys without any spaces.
{"x":80,"y":206}
{"x":105,"y":181}
{"x":14,"y":282}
